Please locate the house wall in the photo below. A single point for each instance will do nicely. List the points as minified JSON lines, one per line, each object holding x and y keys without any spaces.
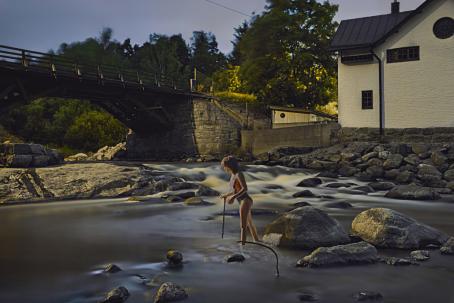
{"x":421,"y":93}
{"x":418,"y":94}
{"x":353,"y":79}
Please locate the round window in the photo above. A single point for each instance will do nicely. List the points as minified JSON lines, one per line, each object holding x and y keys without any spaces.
{"x":444,"y":28}
{"x":282,"y":115}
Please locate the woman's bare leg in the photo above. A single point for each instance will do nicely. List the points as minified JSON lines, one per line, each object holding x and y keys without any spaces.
{"x":245,"y":208}
{"x":252,"y":228}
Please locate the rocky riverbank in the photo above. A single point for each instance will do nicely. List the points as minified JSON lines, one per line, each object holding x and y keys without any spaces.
{"x":93,"y":180}
{"x":416,"y":171}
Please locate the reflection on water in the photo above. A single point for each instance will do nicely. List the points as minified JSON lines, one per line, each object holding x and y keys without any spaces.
{"x":55,"y":252}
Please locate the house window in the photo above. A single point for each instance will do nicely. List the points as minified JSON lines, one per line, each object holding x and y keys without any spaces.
{"x":444,"y":28}
{"x":403,"y":54}
{"x":282,"y":115}
{"x":367,"y":99}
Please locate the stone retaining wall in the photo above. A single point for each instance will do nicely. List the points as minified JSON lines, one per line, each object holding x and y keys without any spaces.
{"x":407,"y":135}
{"x":199,"y":128}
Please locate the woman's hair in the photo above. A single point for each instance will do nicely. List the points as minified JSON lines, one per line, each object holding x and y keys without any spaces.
{"x":231,"y":163}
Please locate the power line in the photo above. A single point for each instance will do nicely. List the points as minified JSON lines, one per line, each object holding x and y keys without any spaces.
{"x":228,"y":8}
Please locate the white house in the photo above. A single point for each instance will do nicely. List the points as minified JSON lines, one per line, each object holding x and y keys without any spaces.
{"x":293,"y":116}
{"x":397,"y":70}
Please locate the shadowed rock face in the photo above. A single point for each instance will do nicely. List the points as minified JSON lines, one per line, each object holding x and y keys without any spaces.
{"x":356,"y":253}
{"x":384,"y":227}
{"x":412,"y":192}
{"x":305,"y":227}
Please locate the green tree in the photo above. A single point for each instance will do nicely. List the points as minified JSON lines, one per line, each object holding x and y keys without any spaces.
{"x":206,"y":56}
{"x":284,"y":53}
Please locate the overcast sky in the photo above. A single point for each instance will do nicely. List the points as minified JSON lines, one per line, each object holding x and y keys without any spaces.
{"x":44,"y":24}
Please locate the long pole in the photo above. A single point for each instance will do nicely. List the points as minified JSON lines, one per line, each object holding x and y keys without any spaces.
{"x":223,"y":220}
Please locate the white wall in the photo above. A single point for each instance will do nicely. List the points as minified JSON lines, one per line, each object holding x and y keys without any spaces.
{"x":421,"y":93}
{"x":353,"y":79}
{"x":417,"y":93}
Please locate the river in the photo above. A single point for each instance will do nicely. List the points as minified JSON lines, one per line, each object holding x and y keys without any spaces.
{"x":54,"y":252}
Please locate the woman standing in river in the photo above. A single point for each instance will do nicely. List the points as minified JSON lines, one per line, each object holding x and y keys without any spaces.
{"x":238,"y":191}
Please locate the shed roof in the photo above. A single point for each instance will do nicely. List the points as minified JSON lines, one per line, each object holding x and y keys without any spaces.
{"x":370,"y":31}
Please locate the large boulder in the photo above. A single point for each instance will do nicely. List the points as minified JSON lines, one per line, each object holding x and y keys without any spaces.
{"x":305,"y":227}
{"x":412,"y":192}
{"x":387,"y":228}
{"x":108,"y":153}
{"x":393,"y":161}
{"x":170,"y":292}
{"x":117,"y":295}
{"x":449,"y":175}
{"x":355,"y":253}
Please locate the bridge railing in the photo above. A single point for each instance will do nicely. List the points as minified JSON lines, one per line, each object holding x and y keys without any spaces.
{"x":58,"y":66}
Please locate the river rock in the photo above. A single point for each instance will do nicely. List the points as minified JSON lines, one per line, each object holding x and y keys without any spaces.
{"x":301,"y":204}
{"x":373,"y":172}
{"x":412,"y":160}
{"x":77,"y":157}
{"x":109,"y":153}
{"x":182,"y":185}
{"x":412,"y":192}
{"x":310,"y":182}
{"x":393,"y":161}
{"x":170,"y":292}
{"x":305,"y":227}
{"x":368,"y":296}
{"x":420,"y":255}
{"x":196,"y":201}
{"x":206,"y":191}
{"x":438,"y":158}
{"x":235,"y":258}
{"x":117,"y":295}
{"x":382,"y":185}
{"x":347,"y":171}
{"x":174,"y":258}
{"x":394,"y":261}
{"x":375,"y":162}
{"x":369,"y":156}
{"x":304,"y":296}
{"x":328,"y":174}
{"x":405,"y":177}
{"x":305,"y":193}
{"x":112,"y":269}
{"x":420,"y":148}
{"x":449,"y":175}
{"x":387,"y":228}
{"x":355,"y":253}
{"x":448,"y":247}
{"x":392,"y":174}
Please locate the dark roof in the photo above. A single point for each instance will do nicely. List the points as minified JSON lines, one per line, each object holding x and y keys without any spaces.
{"x":370,"y":31}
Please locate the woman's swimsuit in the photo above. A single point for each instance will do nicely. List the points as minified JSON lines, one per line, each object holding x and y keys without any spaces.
{"x":243,"y":196}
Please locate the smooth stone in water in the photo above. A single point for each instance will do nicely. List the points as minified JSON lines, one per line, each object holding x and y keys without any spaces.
{"x":420,"y":255}
{"x":382,"y":185}
{"x":112,"y":268}
{"x":174,"y":258}
{"x":394,"y":261}
{"x":412,"y":192}
{"x":368,"y":296}
{"x":235,"y":258}
{"x":349,"y":254}
{"x":305,"y":227}
{"x":301,"y":204}
{"x":340,"y":204}
{"x":307,"y":297}
{"x":387,"y":228}
{"x":310,"y":182}
{"x":305,"y":193}
{"x":196,"y":201}
{"x":448,"y":247}
{"x":337,"y":185}
{"x":206,"y":191}
{"x":170,"y":292}
{"x":117,"y":295}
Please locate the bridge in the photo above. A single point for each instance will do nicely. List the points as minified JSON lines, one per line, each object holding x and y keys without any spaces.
{"x":141,"y":100}
{"x":169,"y":120}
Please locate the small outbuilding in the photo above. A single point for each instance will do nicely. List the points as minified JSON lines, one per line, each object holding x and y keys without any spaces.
{"x":293,"y":116}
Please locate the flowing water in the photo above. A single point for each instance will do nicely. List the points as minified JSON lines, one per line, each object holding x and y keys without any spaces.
{"x":55,"y":252}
